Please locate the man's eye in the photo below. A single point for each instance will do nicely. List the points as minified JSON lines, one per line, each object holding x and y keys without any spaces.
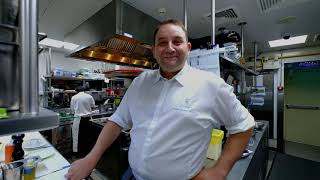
{"x":177,"y":42}
{"x":162,"y":43}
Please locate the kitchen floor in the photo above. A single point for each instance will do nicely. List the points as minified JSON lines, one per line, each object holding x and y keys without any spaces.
{"x":303,"y":151}
{"x":287,"y":167}
{"x":298,"y":162}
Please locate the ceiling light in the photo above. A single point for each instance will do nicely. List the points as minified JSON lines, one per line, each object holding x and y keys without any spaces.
{"x":51,"y":43}
{"x":290,"y":41}
{"x":128,"y":35}
{"x":70,"y":46}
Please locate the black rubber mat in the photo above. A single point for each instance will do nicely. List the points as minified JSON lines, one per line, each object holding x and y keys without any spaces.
{"x":286,"y":167}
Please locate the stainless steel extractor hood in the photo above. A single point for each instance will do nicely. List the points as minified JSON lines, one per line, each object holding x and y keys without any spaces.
{"x":103,"y":40}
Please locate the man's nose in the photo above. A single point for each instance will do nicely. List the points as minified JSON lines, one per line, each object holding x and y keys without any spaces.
{"x":170,"y":47}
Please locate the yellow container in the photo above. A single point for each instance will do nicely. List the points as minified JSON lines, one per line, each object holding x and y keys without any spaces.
{"x":215,"y":146}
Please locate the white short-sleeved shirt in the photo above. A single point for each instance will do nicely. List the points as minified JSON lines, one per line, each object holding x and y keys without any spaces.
{"x":171,"y":121}
{"x":82,"y":104}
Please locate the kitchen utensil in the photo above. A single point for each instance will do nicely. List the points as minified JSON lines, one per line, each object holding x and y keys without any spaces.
{"x":12,"y":171}
{"x":246,"y":153}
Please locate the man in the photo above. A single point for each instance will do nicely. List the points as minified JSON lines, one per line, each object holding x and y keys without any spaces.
{"x":171,"y":113}
{"x":81,"y":105}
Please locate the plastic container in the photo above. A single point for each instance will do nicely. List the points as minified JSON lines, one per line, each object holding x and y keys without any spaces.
{"x":29,"y":170}
{"x":9,"y":148}
{"x":58,"y":72}
{"x":215,"y":146}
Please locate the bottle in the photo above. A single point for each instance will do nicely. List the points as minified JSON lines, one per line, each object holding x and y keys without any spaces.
{"x":9,"y":148}
{"x":29,"y":170}
{"x":18,"y":152}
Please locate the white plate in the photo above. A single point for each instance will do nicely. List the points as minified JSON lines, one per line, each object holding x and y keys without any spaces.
{"x":34,"y":144}
{"x":43,"y":153}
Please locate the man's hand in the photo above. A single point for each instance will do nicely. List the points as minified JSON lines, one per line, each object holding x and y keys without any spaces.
{"x":80,"y":169}
{"x":210,"y":174}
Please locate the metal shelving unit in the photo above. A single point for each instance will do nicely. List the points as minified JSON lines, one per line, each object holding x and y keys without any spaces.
{"x":235,"y":65}
{"x":26,"y":122}
{"x":27,"y":116}
{"x":71,"y":78}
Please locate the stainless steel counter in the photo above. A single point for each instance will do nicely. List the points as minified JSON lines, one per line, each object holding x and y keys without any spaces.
{"x":253,"y":167}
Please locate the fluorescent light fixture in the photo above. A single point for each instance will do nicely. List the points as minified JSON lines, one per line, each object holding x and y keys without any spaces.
{"x":290,"y":41}
{"x":51,"y":43}
{"x":128,"y":35}
{"x":70,"y":46}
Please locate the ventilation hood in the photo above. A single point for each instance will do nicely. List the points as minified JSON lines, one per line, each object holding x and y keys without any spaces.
{"x":101,"y":36}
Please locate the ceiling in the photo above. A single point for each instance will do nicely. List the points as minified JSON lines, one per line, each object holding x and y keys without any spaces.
{"x":59,"y":17}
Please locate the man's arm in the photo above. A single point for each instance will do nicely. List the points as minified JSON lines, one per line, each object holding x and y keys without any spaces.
{"x":83,"y":167}
{"x":232,"y":151}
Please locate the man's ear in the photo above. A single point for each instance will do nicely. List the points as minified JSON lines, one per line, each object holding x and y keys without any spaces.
{"x":189,"y":46}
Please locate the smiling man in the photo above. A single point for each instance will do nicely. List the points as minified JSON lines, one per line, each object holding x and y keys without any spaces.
{"x":171,"y":113}
{"x":171,"y":48}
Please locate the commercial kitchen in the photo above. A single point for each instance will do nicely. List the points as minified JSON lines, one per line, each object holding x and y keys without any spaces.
{"x":52,"y":50}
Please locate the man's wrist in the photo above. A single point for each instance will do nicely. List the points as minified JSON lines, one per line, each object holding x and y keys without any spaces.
{"x":92,"y":159}
{"x":222,"y":171}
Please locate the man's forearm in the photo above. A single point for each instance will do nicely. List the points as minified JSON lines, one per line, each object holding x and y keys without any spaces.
{"x":108,"y":134}
{"x":232,"y":151}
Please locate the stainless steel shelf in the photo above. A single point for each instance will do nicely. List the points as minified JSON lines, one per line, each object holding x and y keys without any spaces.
{"x":235,"y":65}
{"x":20,"y":123}
{"x":72,"y":78}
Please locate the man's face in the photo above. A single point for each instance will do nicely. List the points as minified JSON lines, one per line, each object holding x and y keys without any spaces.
{"x":171,"y":48}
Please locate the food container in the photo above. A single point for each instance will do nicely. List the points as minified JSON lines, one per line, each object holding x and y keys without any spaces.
{"x":12,"y":171}
{"x":215,"y":146}
{"x":9,"y":148}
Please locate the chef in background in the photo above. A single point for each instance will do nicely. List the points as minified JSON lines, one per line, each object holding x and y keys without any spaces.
{"x":81,"y":106}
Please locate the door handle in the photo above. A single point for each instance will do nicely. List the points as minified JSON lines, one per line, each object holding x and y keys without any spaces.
{"x":306,"y":107}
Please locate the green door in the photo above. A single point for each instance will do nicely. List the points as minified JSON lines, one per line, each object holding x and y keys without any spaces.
{"x":302,"y":102}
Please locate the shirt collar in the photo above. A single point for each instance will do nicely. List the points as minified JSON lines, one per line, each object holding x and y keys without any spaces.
{"x":180,"y":77}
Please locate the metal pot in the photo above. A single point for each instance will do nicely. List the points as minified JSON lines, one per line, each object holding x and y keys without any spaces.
{"x":9,"y":12}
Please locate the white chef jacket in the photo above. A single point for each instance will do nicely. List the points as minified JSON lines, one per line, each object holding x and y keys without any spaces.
{"x":81,"y":105}
{"x":171,"y":121}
